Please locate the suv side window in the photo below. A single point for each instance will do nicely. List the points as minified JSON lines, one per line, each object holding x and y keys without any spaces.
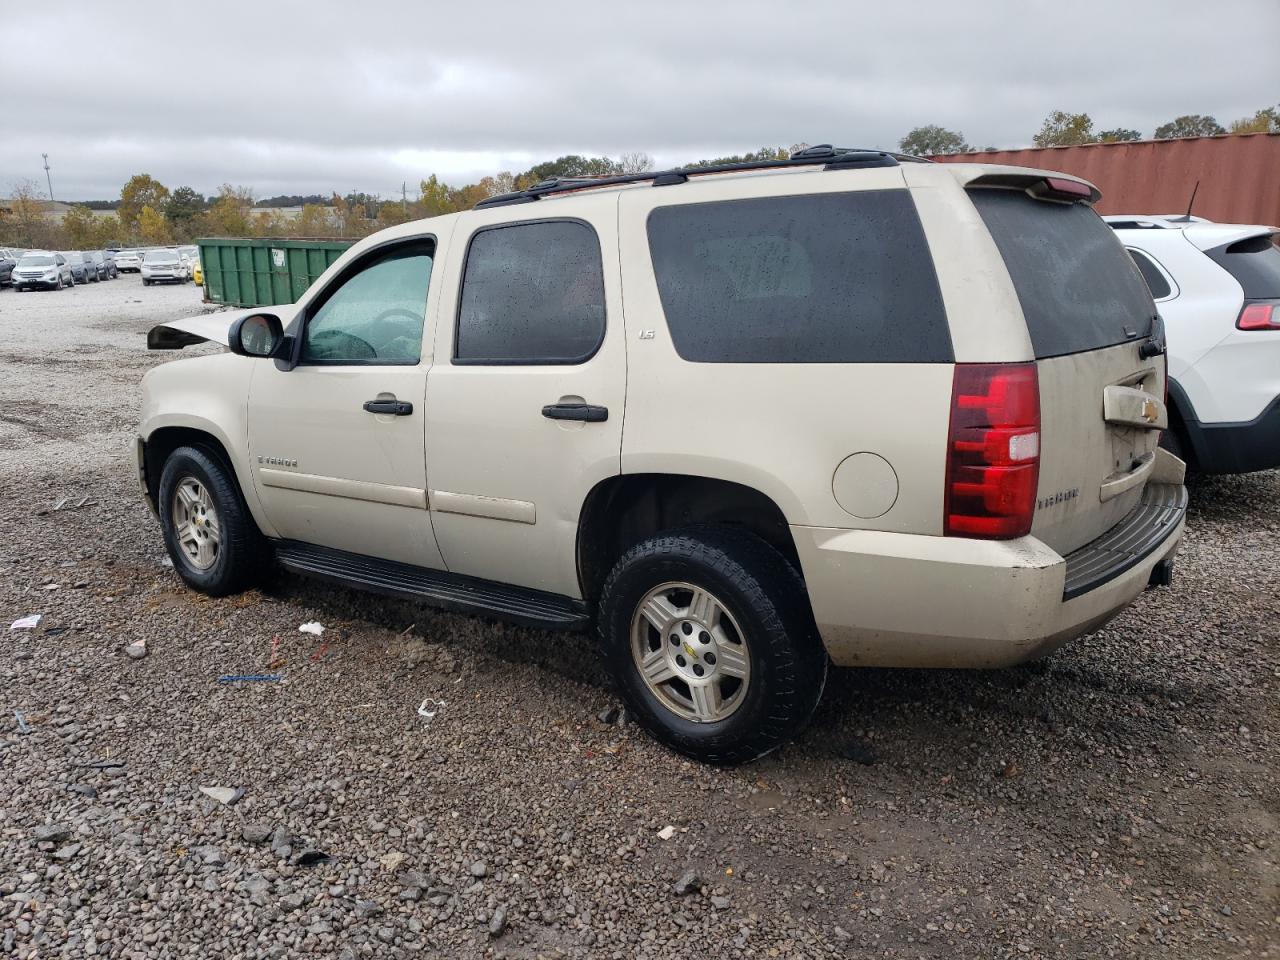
{"x":376,"y":315}
{"x":1156,"y":282}
{"x":532,"y":293}
{"x":819,"y":278}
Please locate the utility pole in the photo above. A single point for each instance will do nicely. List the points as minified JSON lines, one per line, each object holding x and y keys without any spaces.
{"x":404,"y":197}
{"x":47,"y":177}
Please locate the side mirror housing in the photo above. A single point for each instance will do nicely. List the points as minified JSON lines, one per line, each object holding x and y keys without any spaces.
{"x":257,"y":335}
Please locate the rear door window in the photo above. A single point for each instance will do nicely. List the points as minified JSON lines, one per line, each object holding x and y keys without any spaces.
{"x":532,"y":293}
{"x":826,"y":278}
{"x":1078,"y":289}
{"x":1255,"y":263}
{"x":1156,"y":281}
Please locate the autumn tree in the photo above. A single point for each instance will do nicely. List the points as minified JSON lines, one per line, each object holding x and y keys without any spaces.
{"x":498,"y":183}
{"x":314,"y":221}
{"x":1118,"y":135}
{"x":81,"y":227}
{"x":25,"y":223}
{"x":932,"y":141}
{"x":152,"y":226}
{"x":229,"y":214}
{"x":1191,"y":125}
{"x":1061,"y":129}
{"x":1266,"y":120}
{"x":142,"y":190}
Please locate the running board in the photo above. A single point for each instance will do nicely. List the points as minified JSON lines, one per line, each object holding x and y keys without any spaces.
{"x":451,"y":591}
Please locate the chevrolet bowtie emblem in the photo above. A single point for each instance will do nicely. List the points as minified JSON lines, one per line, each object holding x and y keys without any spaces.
{"x":1150,"y":412}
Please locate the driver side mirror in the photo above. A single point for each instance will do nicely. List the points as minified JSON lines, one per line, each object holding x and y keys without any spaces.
{"x":257,"y":335}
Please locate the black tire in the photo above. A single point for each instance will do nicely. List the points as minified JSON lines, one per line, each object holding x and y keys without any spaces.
{"x":243,"y":553}
{"x":767,"y":598}
{"x":146,"y":282}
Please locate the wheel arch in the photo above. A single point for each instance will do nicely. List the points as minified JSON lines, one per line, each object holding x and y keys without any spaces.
{"x":625,"y":509}
{"x":166,"y":437}
{"x":1183,"y":422}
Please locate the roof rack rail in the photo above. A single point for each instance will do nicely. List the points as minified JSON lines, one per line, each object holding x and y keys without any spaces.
{"x":831,"y":158}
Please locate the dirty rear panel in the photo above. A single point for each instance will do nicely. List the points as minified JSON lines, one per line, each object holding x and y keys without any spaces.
{"x":1088,"y":312}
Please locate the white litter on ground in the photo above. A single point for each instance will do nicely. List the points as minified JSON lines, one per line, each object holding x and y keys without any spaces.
{"x":26,"y":623}
{"x":312,"y":627}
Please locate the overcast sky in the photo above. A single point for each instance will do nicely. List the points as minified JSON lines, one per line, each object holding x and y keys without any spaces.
{"x":310,"y":97}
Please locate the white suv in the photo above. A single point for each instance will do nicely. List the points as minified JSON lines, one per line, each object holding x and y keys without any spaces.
{"x":1217,"y":286}
{"x":744,"y":419}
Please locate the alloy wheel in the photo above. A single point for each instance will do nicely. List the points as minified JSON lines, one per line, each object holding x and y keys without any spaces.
{"x":690,"y":652}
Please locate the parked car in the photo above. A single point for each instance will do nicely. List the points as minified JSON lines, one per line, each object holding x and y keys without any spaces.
{"x":42,"y":268}
{"x":104,"y":264}
{"x":163,"y":265}
{"x":1217,"y":286}
{"x":82,"y":268}
{"x":7,"y":262}
{"x":129,"y":261}
{"x":197,"y":272}
{"x":838,"y":446}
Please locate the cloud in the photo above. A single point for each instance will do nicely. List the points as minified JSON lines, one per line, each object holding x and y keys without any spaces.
{"x":311,"y":97}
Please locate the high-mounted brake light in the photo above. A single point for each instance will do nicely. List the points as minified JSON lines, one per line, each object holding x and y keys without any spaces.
{"x":1259,"y":316}
{"x":993,"y":451}
{"x":1072,"y":187}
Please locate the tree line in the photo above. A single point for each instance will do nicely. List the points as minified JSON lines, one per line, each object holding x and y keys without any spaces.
{"x":149,"y":213}
{"x":1063,"y":129}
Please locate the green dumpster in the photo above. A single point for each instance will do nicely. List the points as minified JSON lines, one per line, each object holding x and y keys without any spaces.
{"x":262,"y":272}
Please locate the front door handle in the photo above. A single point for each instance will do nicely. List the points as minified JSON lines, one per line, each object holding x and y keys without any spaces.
{"x":397,"y":408}
{"x":587,"y":412}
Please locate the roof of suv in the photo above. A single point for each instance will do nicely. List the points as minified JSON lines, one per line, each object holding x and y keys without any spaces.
{"x":1201,"y":233}
{"x":824,"y":157}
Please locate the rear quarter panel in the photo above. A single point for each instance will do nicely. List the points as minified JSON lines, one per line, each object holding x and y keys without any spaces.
{"x":783,"y":429}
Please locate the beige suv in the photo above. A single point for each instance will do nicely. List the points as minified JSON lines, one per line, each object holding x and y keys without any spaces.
{"x":745,"y":420}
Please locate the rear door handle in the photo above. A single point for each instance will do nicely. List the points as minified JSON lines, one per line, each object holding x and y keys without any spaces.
{"x":587,"y":412}
{"x":397,"y":408}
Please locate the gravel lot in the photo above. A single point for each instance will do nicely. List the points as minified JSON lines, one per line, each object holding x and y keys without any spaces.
{"x":1117,"y":800}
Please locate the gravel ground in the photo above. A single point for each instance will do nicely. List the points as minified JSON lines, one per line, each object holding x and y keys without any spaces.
{"x":1117,"y":800}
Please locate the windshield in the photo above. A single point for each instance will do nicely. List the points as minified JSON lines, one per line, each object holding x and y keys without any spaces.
{"x":160,"y":257}
{"x":40,"y":260}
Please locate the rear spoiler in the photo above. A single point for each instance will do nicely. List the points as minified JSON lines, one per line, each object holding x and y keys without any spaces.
{"x":1057,"y":187}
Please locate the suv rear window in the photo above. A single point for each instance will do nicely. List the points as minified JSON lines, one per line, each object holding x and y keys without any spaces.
{"x":1078,"y":288}
{"x":1255,"y":263}
{"x":827,"y":278}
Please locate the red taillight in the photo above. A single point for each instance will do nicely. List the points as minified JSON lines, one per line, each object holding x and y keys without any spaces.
{"x":1259,"y":316}
{"x":993,"y":451}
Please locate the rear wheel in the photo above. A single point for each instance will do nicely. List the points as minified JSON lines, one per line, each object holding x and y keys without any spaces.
{"x":212,"y":539}
{"x":709,"y":638}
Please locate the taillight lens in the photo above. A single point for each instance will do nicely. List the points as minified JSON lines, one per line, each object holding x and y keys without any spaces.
{"x":993,"y":451}
{"x":1259,"y":316}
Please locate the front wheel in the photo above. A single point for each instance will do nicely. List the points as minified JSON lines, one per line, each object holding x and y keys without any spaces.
{"x":211,"y":537}
{"x":708,"y":635}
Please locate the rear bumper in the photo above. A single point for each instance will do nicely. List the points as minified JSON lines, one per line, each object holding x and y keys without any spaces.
{"x":901,"y":600}
{"x":1237,"y":447}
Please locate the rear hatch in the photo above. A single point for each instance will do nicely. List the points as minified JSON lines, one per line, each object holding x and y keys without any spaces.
{"x":1088,"y":313}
